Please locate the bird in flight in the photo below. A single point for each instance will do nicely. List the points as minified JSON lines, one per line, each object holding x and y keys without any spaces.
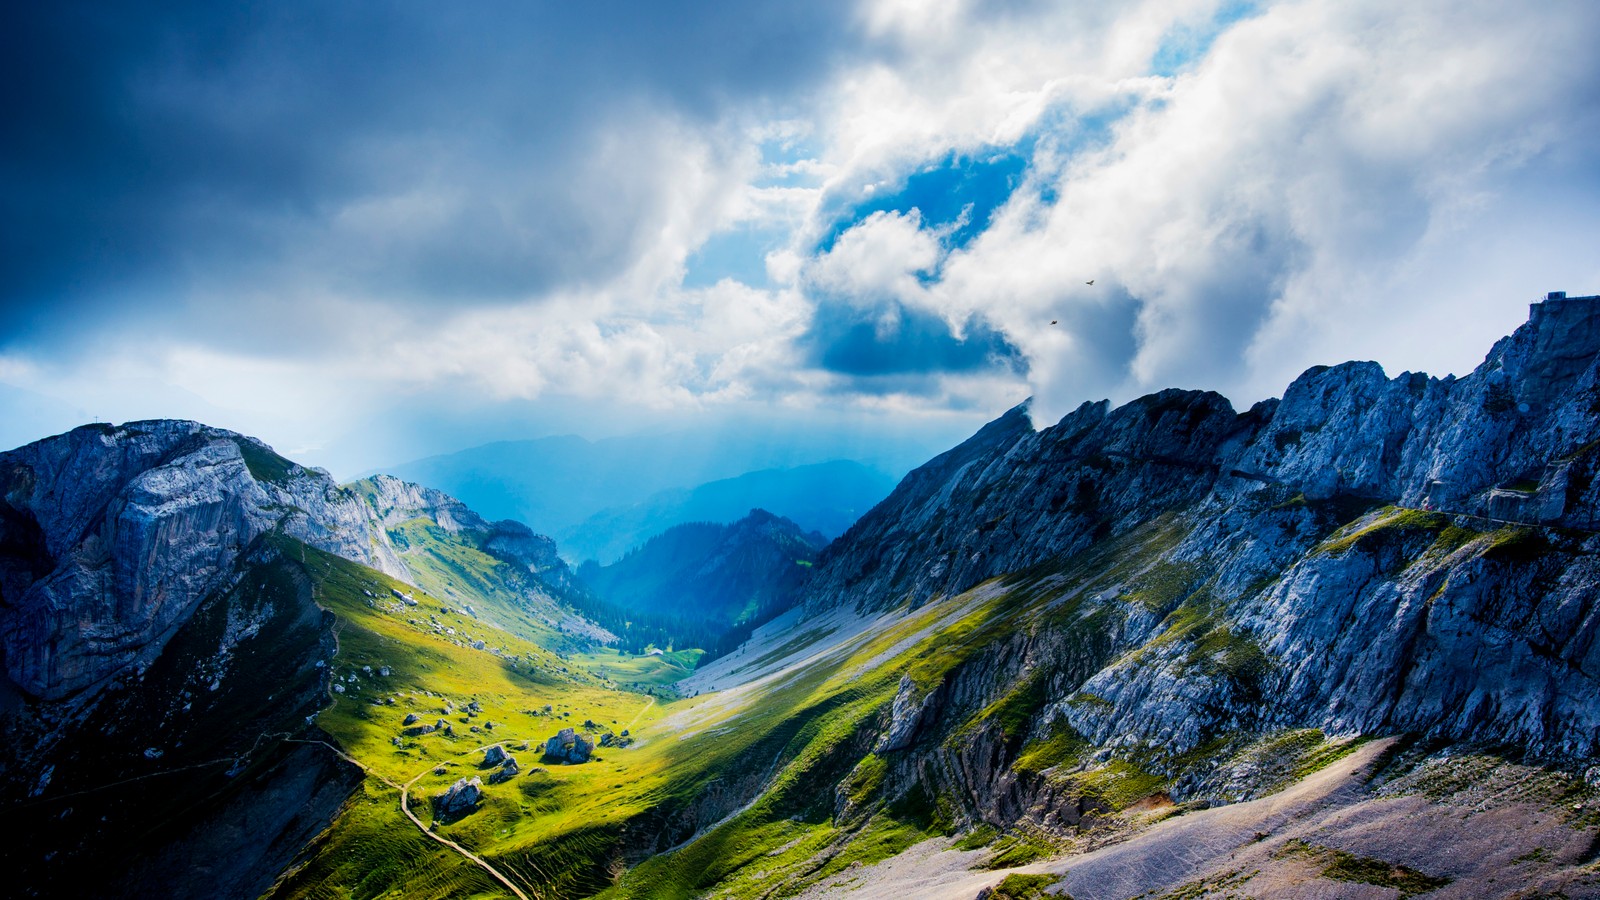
{"x":1052,"y":321}
{"x":1090,"y":281}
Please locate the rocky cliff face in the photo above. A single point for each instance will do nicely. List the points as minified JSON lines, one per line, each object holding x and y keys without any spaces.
{"x":111,"y":536}
{"x":1512,"y":437}
{"x":116,"y":534}
{"x":1367,"y":555}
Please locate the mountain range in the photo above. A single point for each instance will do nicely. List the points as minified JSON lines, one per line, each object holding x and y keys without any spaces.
{"x":602,"y":498}
{"x":1341,"y":644}
{"x":824,"y":497}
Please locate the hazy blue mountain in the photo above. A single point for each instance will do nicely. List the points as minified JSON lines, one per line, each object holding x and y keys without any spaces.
{"x":553,"y":484}
{"x":705,"y":571}
{"x":827,"y":498}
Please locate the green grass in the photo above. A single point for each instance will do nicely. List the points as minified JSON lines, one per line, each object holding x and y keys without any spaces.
{"x":264,"y":465}
{"x":644,"y":670}
{"x":1062,"y":746}
{"x":792,"y":756}
{"x":1023,"y":887}
{"x":977,"y":838}
{"x":372,"y":851}
{"x":1020,"y":848}
{"x":1163,"y":584}
{"x":1390,"y":523}
{"x":1516,"y":545}
{"x":1118,"y":783}
{"x":1339,"y":865}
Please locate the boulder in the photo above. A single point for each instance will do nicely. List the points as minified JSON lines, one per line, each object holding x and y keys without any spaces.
{"x":494,"y":755}
{"x":569,"y":746}
{"x":410,"y":719}
{"x":460,"y":800}
{"x":507,"y":771}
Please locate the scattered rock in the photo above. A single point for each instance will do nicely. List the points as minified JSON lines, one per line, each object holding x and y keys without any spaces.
{"x":410,"y":719}
{"x":507,"y":771}
{"x":494,"y":755}
{"x":569,"y":746}
{"x":460,"y":800}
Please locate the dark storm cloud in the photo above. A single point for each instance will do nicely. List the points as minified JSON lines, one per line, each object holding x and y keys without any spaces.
{"x":150,"y":147}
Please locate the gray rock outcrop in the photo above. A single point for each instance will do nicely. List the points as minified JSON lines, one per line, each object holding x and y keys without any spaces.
{"x":459,"y":801}
{"x":507,"y":770}
{"x":1368,"y":554}
{"x":569,"y":746}
{"x":124,"y":530}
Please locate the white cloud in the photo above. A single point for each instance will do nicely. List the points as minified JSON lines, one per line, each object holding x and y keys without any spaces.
{"x":1327,"y":179}
{"x":1276,"y":205}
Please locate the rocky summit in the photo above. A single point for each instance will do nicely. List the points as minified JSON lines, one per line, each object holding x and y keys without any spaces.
{"x":1341,"y":644}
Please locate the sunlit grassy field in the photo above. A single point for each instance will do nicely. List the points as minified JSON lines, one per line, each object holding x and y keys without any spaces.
{"x":792,"y":740}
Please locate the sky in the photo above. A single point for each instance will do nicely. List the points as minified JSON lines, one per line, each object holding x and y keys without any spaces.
{"x":370,"y":232}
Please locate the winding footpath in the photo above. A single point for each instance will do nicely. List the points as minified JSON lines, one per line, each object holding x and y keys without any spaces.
{"x":405,"y":807}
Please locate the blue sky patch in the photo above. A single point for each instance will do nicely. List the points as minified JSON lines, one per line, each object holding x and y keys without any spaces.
{"x":1183,"y":46}
{"x":959,"y":188}
{"x":738,"y":253}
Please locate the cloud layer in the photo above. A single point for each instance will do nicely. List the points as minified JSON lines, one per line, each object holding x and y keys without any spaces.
{"x":287,"y":213}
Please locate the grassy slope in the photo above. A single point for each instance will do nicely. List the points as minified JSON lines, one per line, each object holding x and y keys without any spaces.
{"x":573,"y":831}
{"x":560,"y":830}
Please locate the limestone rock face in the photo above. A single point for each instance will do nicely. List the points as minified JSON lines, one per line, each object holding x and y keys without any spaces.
{"x":1011,"y":496}
{"x":120,"y":532}
{"x":110,"y":537}
{"x":1367,"y":554}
